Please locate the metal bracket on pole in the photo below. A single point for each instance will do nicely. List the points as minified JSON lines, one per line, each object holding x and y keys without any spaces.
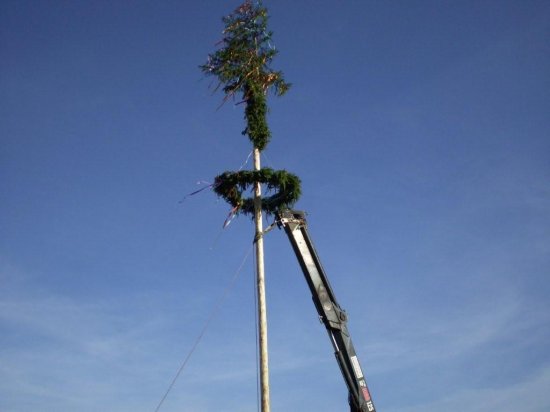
{"x":268,"y":229}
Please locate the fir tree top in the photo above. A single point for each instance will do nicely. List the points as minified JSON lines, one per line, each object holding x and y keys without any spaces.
{"x":242,"y":65}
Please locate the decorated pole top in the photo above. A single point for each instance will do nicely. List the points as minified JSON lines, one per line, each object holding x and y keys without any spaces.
{"x":242,"y":66}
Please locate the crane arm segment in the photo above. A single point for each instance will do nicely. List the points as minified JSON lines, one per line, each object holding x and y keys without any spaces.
{"x":330,"y":313}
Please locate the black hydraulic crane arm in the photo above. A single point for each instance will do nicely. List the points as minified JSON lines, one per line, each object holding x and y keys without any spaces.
{"x":331,"y":314}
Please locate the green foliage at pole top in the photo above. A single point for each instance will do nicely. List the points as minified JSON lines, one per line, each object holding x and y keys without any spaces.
{"x":242,"y":66}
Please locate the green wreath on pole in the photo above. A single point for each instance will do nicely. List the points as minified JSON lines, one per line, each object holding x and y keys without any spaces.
{"x":242,"y":67}
{"x":230,"y":186}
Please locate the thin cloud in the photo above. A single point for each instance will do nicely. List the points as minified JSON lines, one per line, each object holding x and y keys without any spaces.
{"x":529,"y":395}
{"x":439,"y":337}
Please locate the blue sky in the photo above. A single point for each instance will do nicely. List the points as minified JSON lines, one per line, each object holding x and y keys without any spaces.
{"x":420,"y":131}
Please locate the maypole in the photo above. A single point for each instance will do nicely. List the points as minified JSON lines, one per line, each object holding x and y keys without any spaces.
{"x":260,"y":286}
{"x":242,"y":66}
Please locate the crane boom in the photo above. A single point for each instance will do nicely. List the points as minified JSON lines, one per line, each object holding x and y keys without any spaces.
{"x":331,"y":314}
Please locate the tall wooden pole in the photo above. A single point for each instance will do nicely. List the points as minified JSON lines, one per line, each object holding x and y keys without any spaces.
{"x":242,"y":65}
{"x":260,"y":284}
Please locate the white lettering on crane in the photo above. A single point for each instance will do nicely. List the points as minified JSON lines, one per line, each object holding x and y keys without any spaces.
{"x":356,"y":367}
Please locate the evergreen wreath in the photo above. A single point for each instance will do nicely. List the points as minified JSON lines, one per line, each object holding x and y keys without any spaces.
{"x":230,"y":186}
{"x":242,"y":66}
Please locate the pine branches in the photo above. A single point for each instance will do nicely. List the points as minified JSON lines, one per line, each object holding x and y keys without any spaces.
{"x":242,"y":66}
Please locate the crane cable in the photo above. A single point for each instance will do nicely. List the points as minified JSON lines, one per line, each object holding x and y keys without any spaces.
{"x":211,"y":317}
